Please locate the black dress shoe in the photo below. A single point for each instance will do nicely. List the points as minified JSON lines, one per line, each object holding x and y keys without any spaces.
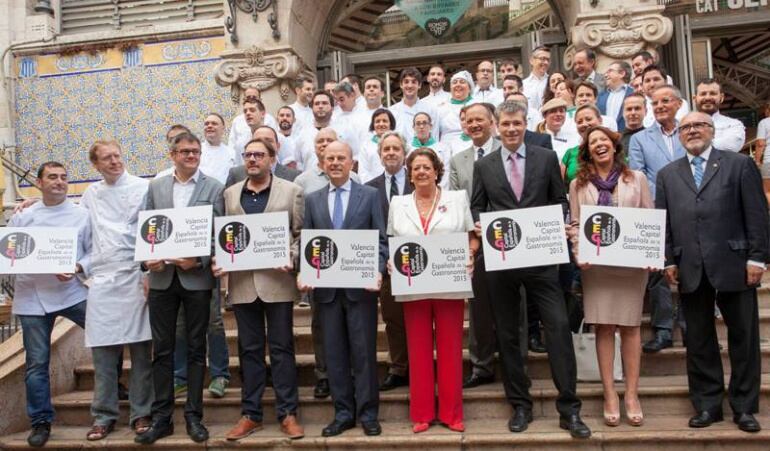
{"x":474,"y":380}
{"x":321,"y":389}
{"x":39,"y":435}
{"x":371,"y":427}
{"x":746,"y":422}
{"x":575,"y":426}
{"x":157,"y":431}
{"x":338,"y":427}
{"x":705,"y":419}
{"x":536,"y":344}
{"x":197,"y":431}
{"x":657,"y":344}
{"x":392,"y":381}
{"x":520,"y":420}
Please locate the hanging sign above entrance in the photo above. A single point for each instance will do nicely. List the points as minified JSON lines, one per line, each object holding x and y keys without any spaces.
{"x":434,"y":16}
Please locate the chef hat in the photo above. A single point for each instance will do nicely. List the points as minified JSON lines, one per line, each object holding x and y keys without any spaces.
{"x":465,"y":75}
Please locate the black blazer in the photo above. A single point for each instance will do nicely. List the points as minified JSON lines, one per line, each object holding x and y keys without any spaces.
{"x":363,"y":213}
{"x":238,"y":174}
{"x":379,"y":184}
{"x":718,"y":227}
{"x":538,"y":139}
{"x":542,"y":183}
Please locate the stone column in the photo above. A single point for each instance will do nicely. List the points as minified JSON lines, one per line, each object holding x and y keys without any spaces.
{"x":615,"y":29}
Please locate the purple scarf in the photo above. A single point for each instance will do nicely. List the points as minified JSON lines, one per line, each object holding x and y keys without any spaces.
{"x":606,"y":187}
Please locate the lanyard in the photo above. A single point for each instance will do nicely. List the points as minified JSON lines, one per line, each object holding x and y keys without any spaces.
{"x":426,"y":222}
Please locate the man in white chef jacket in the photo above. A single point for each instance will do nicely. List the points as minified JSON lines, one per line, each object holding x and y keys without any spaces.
{"x":117,"y":312}
{"x":40,"y":298}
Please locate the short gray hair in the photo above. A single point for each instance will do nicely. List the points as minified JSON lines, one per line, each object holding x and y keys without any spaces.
{"x":344,"y":87}
{"x":674,"y":89}
{"x":510,"y":107}
{"x":387,"y":135}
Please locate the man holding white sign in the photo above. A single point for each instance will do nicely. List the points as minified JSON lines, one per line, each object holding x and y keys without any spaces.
{"x":524,"y":176}
{"x":265,"y":296}
{"x":349,"y":315}
{"x":180,"y":282}
{"x":40,"y":298}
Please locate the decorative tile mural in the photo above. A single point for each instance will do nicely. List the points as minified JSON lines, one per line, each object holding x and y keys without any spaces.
{"x":60,"y":115}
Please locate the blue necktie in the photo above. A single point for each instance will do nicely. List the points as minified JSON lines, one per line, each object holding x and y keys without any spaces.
{"x":697,"y":163}
{"x":337,"y":217}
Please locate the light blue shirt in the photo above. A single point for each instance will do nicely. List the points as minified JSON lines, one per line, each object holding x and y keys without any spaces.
{"x":400,"y":182}
{"x":38,"y":294}
{"x":520,"y":163}
{"x":345,"y":195}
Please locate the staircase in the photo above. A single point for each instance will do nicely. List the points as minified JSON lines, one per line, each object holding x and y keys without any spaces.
{"x":663,"y":393}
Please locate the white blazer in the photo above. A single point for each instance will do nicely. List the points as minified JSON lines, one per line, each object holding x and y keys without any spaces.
{"x":452,"y":215}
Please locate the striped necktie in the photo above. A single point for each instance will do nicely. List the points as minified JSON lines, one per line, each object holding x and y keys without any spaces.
{"x":697,"y":164}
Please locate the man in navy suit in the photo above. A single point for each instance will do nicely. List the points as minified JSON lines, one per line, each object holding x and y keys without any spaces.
{"x":348,"y":316}
{"x":610,"y":101}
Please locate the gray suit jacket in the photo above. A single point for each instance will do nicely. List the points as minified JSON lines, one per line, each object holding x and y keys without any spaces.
{"x":717,"y":228}
{"x":461,"y":168}
{"x":160,"y":195}
{"x":238,"y":174}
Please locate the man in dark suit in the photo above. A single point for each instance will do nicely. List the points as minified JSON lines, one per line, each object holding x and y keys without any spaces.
{"x":522,"y":176}
{"x":391,"y":183}
{"x":531,"y":138}
{"x":716,"y":246}
{"x":348,"y":316}
{"x":238,"y":173}
{"x":610,"y":101}
{"x":179,"y":282}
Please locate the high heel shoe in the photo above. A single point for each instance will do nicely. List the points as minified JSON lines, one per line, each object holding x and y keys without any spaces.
{"x":457,"y":427}
{"x":420,"y":427}
{"x":612,"y":418}
{"x":635,"y":419}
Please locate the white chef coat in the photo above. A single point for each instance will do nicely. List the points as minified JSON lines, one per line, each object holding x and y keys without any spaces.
{"x":533,"y":88}
{"x":404,"y":115}
{"x":117,"y":311}
{"x":216,"y":161}
{"x":435,"y":99}
{"x":729,"y":133}
{"x":491,"y":95}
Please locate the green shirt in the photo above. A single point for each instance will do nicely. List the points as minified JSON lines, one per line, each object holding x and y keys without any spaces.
{"x":570,"y":162}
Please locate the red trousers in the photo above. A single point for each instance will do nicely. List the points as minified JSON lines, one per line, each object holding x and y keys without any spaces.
{"x":419,"y":318}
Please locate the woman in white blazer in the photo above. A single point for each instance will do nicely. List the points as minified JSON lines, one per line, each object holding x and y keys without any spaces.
{"x":431,"y":210}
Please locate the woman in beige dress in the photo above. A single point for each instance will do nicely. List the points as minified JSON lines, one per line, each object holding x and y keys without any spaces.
{"x":612,"y":296}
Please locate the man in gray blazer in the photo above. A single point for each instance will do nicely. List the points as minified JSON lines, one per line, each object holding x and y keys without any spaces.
{"x":180,"y":282}
{"x":584,"y":67}
{"x":716,"y":248}
{"x":238,"y":173}
{"x":348,"y":315}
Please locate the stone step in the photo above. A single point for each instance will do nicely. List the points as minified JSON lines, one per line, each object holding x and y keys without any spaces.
{"x":658,"y":432}
{"x":668,"y":362}
{"x":667,"y":395}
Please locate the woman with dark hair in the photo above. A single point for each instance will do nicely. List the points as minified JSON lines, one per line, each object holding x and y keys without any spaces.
{"x":433,"y":318}
{"x":586,"y":116}
{"x":550,"y":87}
{"x":369,"y":165}
{"x":612,"y":296}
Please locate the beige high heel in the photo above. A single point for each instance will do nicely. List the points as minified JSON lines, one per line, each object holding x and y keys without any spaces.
{"x":635,"y":419}
{"x":612,"y":418}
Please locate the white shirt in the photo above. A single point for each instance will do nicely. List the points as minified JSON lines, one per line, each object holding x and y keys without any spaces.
{"x":533,"y":88}
{"x":609,"y":122}
{"x":615,"y":101}
{"x":649,"y":119}
{"x":288,"y":151}
{"x":669,"y":138}
{"x":491,"y":95}
{"x":349,"y":126}
{"x":534,"y":117}
{"x":763,"y":132}
{"x":303,"y":116}
{"x":38,"y":294}
{"x":182,"y":191}
{"x":729,"y":133}
{"x":487,"y":146}
{"x":450,"y":118}
{"x":404,"y":115}
{"x":436,"y":98}
{"x":344,"y":196}
{"x":369,"y":163}
{"x":567,"y":138}
{"x":400,"y":182}
{"x":216,"y":161}
{"x":240,"y":131}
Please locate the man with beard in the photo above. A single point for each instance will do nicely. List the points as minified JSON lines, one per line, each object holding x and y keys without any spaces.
{"x":238,"y":173}
{"x":437,"y":95}
{"x":322,"y":104}
{"x":405,"y":110}
{"x":729,"y":133}
{"x":240,"y":130}
{"x":304,"y":87}
{"x":287,"y":126}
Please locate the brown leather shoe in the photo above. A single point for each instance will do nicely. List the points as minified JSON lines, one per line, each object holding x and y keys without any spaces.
{"x":291,"y":427}
{"x":244,"y":427}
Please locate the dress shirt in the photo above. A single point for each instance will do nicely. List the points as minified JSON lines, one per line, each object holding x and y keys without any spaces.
{"x":255,"y":202}
{"x":400,"y":182}
{"x":487,"y":146}
{"x":216,"y":161}
{"x":567,"y":138}
{"x":436,"y":98}
{"x":533,"y":89}
{"x":729,"y":133}
{"x":350,"y":125}
{"x":609,"y":122}
{"x":240,"y":132}
{"x":303,"y":116}
{"x":615,"y":101}
{"x":183,"y":190}
{"x":38,"y":294}
{"x":345,"y":195}
{"x":705,"y":155}
{"x":669,"y":138}
{"x":534,"y":117}
{"x":491,"y":95}
{"x":315,"y":179}
{"x":649,"y":119}
{"x":521,"y":162}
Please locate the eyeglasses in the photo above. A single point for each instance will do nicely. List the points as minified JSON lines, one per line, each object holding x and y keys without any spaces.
{"x":188,"y":152}
{"x":255,"y":155}
{"x":542,"y":58}
{"x":697,"y":126}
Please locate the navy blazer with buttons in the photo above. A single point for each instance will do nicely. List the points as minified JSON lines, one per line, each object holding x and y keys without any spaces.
{"x":601,"y":103}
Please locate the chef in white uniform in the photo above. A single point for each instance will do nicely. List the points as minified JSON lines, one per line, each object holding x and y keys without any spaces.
{"x":117,"y":312}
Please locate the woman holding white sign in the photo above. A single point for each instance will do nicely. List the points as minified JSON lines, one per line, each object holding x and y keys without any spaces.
{"x":612,"y":296}
{"x":431,"y":210}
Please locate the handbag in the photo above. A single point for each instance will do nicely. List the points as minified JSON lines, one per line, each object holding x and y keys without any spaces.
{"x":586,"y":359}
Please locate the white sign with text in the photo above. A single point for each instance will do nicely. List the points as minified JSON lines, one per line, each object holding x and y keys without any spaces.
{"x":38,"y":250}
{"x":339,"y":258}
{"x":427,"y":264}
{"x":256,"y":241}
{"x":174,"y":233}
